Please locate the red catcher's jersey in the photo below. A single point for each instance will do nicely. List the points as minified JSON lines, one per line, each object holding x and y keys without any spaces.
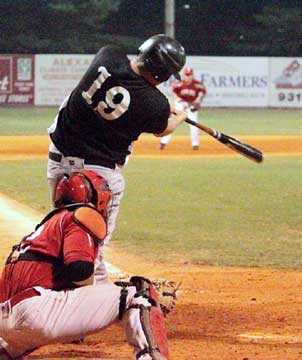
{"x":188,"y":92}
{"x":59,"y":237}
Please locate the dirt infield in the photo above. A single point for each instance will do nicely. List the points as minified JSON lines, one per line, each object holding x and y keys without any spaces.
{"x":223,"y":313}
{"x":26,"y":146}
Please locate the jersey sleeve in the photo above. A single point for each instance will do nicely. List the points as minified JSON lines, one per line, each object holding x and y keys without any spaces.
{"x":156,"y":117}
{"x":78,"y":245}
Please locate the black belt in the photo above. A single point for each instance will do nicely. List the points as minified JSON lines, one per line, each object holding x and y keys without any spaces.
{"x":123,"y":298}
{"x":101,"y":162}
{"x":36,"y":256}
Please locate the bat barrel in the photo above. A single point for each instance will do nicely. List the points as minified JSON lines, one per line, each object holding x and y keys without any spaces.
{"x":234,"y":144}
{"x":243,"y":149}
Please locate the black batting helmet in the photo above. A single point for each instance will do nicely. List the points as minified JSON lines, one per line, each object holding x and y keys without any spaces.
{"x":162,"y":56}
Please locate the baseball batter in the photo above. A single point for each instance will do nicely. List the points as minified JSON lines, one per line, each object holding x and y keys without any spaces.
{"x":189,"y":94}
{"x":46,"y":288}
{"x":114,"y":103}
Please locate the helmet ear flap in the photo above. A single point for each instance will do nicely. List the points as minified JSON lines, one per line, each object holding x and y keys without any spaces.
{"x":104,"y":196}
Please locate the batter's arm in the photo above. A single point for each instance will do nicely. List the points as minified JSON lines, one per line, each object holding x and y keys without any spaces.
{"x":176,"y":118}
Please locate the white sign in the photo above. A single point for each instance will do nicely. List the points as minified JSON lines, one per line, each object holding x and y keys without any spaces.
{"x":286,"y":82}
{"x":230,"y":81}
{"x":57,"y":75}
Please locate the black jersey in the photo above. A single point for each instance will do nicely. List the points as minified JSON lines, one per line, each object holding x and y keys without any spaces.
{"x":108,"y":110}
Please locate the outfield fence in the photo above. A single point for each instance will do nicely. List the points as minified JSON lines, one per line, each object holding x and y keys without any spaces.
{"x":45,"y":80}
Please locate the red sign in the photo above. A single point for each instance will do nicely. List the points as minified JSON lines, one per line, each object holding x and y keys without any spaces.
{"x":16,"y":79}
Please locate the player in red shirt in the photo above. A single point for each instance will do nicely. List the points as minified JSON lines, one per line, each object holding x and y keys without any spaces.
{"x":189,"y":96}
{"x":47,"y":293}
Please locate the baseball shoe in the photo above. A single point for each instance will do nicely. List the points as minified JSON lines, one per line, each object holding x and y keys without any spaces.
{"x":195,"y":147}
{"x":162,"y":146}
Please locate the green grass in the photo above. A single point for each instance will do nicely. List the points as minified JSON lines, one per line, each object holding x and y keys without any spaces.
{"x":205,"y":211}
{"x":35,"y":120}
{"x":254,"y":121}
{"x":26,"y":121}
{"x":214,"y":211}
{"x":26,"y":182}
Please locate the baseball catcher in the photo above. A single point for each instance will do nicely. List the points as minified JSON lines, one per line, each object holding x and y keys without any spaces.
{"x":47,"y":293}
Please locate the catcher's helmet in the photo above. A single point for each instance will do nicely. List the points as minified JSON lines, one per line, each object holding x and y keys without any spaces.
{"x":83,"y":186}
{"x":162,"y":56}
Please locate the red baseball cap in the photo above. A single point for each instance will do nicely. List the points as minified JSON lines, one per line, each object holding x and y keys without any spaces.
{"x":188,"y":71}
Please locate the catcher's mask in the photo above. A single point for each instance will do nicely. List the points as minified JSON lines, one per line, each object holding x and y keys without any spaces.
{"x":83,"y":186}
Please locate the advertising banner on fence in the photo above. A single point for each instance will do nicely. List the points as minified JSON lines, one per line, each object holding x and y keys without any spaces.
{"x":230,"y":81}
{"x":57,"y":75}
{"x":285,"y":82}
{"x":16,"y":79}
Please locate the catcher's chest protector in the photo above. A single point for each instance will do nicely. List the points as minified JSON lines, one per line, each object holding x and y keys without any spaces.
{"x":144,"y":323}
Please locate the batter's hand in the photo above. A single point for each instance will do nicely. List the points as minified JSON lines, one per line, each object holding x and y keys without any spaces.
{"x":181,"y":115}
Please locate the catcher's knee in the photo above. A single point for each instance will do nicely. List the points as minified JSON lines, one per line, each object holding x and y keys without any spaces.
{"x":144,"y":322}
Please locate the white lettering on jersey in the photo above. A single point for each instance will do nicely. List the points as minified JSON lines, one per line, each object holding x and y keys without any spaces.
{"x":187,"y":92}
{"x":119,"y":108}
{"x":112,"y":94}
{"x":32,"y":236}
{"x":36,"y":233}
{"x":103,"y":76}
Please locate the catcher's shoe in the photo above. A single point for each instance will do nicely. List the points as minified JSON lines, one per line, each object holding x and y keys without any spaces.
{"x":195,"y":147}
{"x":162,"y":146}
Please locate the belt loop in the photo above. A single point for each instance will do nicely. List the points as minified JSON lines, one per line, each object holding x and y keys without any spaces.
{"x":6,"y":309}
{"x":55,"y":156}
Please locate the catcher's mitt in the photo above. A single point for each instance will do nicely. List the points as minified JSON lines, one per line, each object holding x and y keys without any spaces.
{"x":167,"y":294}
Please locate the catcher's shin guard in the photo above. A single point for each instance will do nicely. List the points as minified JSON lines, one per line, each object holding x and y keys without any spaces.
{"x":144,"y":323}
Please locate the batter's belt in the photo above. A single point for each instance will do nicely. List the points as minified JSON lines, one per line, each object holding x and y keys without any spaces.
{"x":101,"y":162}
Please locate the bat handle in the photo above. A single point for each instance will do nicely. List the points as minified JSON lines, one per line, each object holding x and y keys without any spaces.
{"x":216,"y":134}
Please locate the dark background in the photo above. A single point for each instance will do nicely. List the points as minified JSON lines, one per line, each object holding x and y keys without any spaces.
{"x":204,"y":27}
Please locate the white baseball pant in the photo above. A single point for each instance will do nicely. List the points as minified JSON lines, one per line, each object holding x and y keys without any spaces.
{"x":66,"y":316}
{"x":115,"y":181}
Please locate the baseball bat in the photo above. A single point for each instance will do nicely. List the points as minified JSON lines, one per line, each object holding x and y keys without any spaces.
{"x":234,"y":144}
